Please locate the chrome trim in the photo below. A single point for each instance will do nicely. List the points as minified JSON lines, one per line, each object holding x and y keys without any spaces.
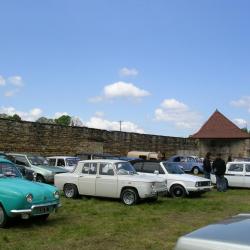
{"x":29,"y":211}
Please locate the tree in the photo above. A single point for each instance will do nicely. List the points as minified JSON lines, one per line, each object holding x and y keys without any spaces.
{"x":63,"y":120}
{"x":245,"y":130}
{"x":45,"y":120}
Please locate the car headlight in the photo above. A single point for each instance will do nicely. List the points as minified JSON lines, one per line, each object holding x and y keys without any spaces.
{"x":56,"y":195}
{"x":153,"y":185}
{"x":29,"y":198}
{"x":197,"y":184}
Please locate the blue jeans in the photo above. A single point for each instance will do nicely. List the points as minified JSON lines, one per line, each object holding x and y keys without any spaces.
{"x":221,"y":183}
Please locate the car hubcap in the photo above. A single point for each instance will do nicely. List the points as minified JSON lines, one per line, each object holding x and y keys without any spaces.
{"x":178,"y":192}
{"x":69,"y":192}
{"x":1,"y":216}
{"x":196,"y":171}
{"x":128,"y":198}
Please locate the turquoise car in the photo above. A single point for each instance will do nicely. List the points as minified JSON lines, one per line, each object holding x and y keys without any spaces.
{"x":22,"y":198}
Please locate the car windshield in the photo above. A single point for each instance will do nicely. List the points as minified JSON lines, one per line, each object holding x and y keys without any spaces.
{"x":38,"y":160}
{"x":9,"y":170}
{"x":72,"y":161}
{"x":173,"y":169}
{"x":125,"y":168}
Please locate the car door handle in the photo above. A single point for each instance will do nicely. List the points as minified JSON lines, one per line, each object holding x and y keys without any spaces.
{"x":98,"y":177}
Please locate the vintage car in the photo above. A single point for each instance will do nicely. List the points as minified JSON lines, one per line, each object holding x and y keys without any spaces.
{"x":28,"y":174}
{"x":39,"y":164}
{"x":66,"y":162}
{"x":188,"y":163}
{"x":109,"y":178}
{"x":230,"y":234}
{"x":237,"y":174}
{"x":179,"y":183}
{"x":19,"y":197}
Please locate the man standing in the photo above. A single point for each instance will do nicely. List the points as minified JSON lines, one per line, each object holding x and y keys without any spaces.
{"x":219,"y":168}
{"x":207,"y":165}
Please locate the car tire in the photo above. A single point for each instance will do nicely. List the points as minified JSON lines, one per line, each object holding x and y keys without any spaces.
{"x":70,"y":191}
{"x":3,"y":218}
{"x":129,"y":196}
{"x":178,"y":191}
{"x":195,"y":170}
{"x":40,"y":178}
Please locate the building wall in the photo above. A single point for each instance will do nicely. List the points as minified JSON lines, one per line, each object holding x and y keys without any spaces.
{"x":50,"y":139}
{"x":236,"y":148}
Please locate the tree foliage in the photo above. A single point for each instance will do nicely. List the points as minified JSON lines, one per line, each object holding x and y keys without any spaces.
{"x":63,"y":120}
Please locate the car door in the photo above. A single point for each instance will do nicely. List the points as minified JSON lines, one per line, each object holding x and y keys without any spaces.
{"x":247,"y":175}
{"x":87,"y":179}
{"x":235,"y":175}
{"x":106,"y":181}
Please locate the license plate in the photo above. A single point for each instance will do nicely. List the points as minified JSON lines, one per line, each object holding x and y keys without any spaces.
{"x":42,"y":210}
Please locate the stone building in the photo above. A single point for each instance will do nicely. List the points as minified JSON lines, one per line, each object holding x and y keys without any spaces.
{"x":220,"y":135}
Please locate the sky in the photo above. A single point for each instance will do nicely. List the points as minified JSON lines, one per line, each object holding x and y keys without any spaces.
{"x":161,"y":67}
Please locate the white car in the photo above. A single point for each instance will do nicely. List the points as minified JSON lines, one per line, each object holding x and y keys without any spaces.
{"x":179,"y":183}
{"x":66,"y":162}
{"x":237,"y":174}
{"x":109,"y":178}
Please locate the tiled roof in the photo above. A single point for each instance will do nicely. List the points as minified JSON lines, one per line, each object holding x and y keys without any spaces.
{"x":219,"y":127}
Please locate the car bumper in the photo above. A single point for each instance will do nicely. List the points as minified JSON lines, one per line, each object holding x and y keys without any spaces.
{"x":160,"y":191}
{"x":200,"y":189}
{"x":36,"y":210}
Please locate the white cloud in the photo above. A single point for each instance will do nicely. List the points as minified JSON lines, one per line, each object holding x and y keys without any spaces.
{"x":101,"y":123}
{"x":59,"y":114}
{"x":2,"y":81}
{"x":31,"y":115}
{"x":243,"y":102}
{"x":16,"y":81}
{"x":128,"y":72}
{"x":121,"y":90}
{"x":178,"y":113}
{"x":240,"y":122}
{"x":10,"y":93}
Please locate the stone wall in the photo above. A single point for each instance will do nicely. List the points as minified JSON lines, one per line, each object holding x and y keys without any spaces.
{"x":50,"y":139}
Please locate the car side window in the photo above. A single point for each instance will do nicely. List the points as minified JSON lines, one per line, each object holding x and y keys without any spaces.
{"x":177,"y":159}
{"x":52,"y":162}
{"x":85,"y":168}
{"x":60,"y":162}
{"x":21,"y":160}
{"x":247,"y":167}
{"x":150,"y":167}
{"x":236,"y":168}
{"x":93,"y":168}
{"x":106,"y":169}
{"x":138,"y":166}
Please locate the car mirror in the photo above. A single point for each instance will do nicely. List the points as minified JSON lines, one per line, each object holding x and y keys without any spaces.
{"x":156,"y":172}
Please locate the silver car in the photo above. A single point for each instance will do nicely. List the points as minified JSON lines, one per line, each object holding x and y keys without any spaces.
{"x":230,"y":234}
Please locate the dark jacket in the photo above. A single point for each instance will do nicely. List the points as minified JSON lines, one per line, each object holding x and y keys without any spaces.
{"x":219,"y":166}
{"x":207,"y":165}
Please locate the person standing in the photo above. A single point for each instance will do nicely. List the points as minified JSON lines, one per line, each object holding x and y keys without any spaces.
{"x":219,"y":168}
{"x":207,"y":165}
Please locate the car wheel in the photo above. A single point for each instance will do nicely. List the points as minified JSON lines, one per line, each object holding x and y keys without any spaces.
{"x":129,"y":196}
{"x":178,"y":191}
{"x":3,"y":217}
{"x":40,"y":178}
{"x":196,"y":170}
{"x":70,"y":191}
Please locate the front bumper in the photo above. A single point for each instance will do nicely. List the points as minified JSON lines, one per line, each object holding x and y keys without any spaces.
{"x":37,"y":210}
{"x":200,"y":189}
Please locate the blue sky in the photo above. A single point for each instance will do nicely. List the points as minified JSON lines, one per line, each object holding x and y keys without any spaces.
{"x":162,"y":67}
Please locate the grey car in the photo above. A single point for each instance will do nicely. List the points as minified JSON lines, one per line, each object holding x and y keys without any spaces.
{"x":230,"y":234}
{"x":39,"y":164}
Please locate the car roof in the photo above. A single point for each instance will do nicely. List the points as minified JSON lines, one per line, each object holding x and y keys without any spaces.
{"x":239,"y":162}
{"x":102,"y":160}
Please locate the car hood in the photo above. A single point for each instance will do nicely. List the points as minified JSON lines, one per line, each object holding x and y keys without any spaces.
{"x":141,"y":177}
{"x":19,"y":186}
{"x":186,"y":177}
{"x":55,"y":170}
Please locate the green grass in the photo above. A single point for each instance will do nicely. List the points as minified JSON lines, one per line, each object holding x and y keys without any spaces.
{"x":92,"y":223}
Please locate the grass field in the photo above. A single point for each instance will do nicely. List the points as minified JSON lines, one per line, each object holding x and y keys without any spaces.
{"x":92,"y":223}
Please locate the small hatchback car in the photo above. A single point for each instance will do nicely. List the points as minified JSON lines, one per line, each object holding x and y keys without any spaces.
{"x":23,"y":198}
